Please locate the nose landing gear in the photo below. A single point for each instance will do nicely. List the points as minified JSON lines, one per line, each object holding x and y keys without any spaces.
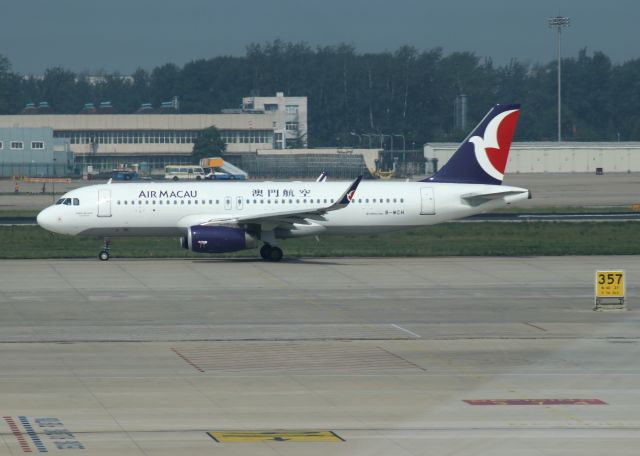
{"x":104,"y":253}
{"x":271,"y":253}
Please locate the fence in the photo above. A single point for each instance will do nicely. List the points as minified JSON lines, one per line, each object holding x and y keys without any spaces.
{"x":299,"y":166}
{"x":34,"y":170}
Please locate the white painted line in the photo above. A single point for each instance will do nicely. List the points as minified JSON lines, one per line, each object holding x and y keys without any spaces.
{"x":406,"y":330}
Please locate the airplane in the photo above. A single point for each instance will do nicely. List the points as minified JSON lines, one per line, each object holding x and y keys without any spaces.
{"x":217,"y":217}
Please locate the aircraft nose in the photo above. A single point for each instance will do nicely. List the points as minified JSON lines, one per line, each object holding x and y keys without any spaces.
{"x":46,"y":218}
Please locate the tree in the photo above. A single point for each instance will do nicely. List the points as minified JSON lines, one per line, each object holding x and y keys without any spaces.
{"x":208,"y":144}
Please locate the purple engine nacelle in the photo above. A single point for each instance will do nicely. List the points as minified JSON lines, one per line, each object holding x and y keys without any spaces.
{"x":217,"y":239}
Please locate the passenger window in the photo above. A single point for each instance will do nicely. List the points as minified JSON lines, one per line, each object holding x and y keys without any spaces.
{"x":325,"y":201}
{"x":160,"y":202}
{"x":367,"y":200}
{"x":153,"y":202}
{"x":268,"y":201}
{"x":188,"y":202}
{"x":402,"y":200}
{"x":374,"y":200}
{"x":125,"y":202}
{"x":181,"y":201}
{"x":118,"y":202}
{"x":210,"y":201}
{"x":394,"y":200}
{"x":76,"y":202}
{"x":297,"y":201}
{"x":146,"y":202}
{"x":290,"y":201}
{"x":248,"y":201}
{"x":304,"y":201}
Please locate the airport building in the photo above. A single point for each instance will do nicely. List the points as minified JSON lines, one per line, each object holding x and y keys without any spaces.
{"x":33,"y":152}
{"x":555,"y":157}
{"x":105,"y":141}
{"x":290,"y":117}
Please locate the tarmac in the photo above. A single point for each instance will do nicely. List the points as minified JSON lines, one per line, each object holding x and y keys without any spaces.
{"x":464,"y":356}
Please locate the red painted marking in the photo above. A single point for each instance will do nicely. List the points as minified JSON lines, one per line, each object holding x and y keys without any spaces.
{"x":18,"y":435}
{"x":187,"y":360}
{"x":506,"y":129}
{"x":534,"y":402}
{"x":534,"y":326}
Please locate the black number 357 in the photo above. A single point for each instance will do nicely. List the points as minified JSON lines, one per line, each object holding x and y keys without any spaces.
{"x":610,"y":278}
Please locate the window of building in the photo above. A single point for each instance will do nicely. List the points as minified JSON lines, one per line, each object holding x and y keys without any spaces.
{"x":292,"y":126}
{"x":292,"y":109}
{"x":271,"y":107}
{"x":17,"y":145}
{"x":37,"y":145}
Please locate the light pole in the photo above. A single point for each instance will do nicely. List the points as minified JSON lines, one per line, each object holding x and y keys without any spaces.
{"x":368,"y":136}
{"x":356,"y":134}
{"x":558,"y":22}
{"x":403,"y":142}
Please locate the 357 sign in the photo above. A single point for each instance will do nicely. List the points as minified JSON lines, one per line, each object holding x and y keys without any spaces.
{"x":610,"y":284}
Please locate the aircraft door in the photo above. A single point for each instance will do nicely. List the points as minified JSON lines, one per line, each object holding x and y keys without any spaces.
{"x":427,"y":202}
{"x":227,"y":203}
{"x":104,"y":203}
{"x":239,"y":202}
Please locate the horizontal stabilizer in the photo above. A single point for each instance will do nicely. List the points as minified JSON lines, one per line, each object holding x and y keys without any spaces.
{"x":475,"y":199}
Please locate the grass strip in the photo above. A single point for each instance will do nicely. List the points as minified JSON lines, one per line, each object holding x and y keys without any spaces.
{"x":450,"y":239}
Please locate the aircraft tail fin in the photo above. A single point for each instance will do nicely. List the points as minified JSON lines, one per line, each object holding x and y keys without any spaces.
{"x":482,"y":156}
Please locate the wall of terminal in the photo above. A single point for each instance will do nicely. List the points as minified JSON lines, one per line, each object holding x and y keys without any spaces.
{"x":33,"y":152}
{"x":543,"y":157}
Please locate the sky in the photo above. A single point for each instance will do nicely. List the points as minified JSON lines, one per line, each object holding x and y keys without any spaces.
{"x":122,"y":35}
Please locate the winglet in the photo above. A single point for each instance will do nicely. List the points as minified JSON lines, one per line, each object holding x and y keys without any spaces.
{"x":322,"y":177}
{"x":348,"y":195}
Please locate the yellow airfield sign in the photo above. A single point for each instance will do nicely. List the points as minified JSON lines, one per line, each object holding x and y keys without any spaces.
{"x":286,"y":436}
{"x":610,"y":284}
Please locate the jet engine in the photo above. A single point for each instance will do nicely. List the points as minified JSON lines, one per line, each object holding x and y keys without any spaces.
{"x":217,"y":239}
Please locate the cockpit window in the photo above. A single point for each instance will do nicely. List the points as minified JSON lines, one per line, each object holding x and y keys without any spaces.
{"x":60,"y":201}
{"x":67,"y":202}
{"x":76,"y":202}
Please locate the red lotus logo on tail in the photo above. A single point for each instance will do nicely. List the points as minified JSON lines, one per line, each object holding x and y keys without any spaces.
{"x":492,"y":150}
{"x":350,"y":195}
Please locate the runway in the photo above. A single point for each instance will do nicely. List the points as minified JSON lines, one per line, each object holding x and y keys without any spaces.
{"x":465,"y":356}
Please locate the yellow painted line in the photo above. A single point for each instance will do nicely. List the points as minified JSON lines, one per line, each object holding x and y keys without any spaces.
{"x":260,"y":436}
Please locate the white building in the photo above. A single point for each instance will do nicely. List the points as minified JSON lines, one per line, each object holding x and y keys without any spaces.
{"x":107,"y":140}
{"x":554,"y":157}
{"x":290,"y":123}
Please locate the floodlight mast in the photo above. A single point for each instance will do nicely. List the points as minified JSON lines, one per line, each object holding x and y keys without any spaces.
{"x":558,"y":22}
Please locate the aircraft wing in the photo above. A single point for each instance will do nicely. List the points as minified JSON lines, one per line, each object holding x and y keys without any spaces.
{"x":275,"y":218}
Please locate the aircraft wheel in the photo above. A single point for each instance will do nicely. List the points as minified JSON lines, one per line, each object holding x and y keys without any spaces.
{"x":265,"y":251}
{"x":104,"y":255}
{"x":275,"y":254}
{"x":175,"y":178}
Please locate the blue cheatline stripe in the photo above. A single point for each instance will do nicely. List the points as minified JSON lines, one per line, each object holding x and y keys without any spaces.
{"x":31,"y":433}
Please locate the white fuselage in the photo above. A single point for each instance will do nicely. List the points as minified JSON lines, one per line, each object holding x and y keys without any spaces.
{"x":169,"y":208}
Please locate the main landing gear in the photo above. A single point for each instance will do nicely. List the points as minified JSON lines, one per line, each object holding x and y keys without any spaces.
{"x":271,"y":253}
{"x":104,"y":254}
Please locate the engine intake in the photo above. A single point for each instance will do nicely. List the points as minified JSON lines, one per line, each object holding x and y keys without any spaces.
{"x":217,"y":239}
